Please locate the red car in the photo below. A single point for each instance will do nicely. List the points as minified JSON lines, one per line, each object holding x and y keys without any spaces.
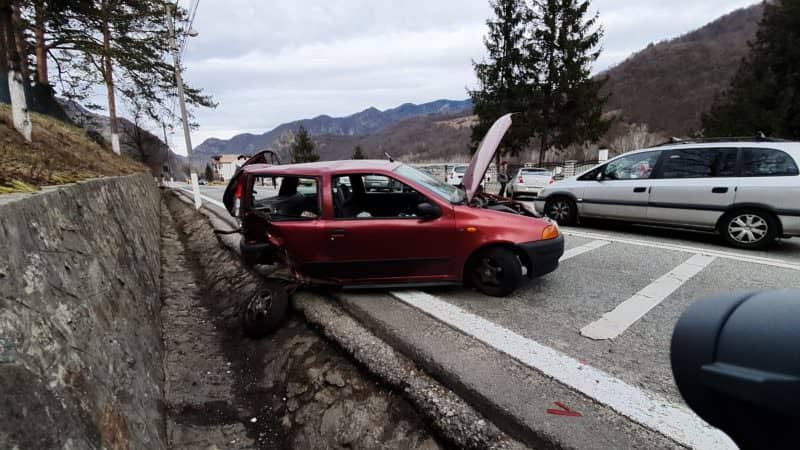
{"x":383,"y":224}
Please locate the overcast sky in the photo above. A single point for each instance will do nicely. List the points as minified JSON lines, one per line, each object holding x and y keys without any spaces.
{"x":269,"y":62}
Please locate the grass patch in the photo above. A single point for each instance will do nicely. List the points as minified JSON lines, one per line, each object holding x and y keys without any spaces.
{"x":60,"y":153}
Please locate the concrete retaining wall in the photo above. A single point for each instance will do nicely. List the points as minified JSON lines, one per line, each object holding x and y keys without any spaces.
{"x":80,"y":339}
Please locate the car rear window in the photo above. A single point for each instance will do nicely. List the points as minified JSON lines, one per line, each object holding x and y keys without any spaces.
{"x":700,"y":163}
{"x":767,"y":162}
{"x":535,"y":171}
{"x":460,"y":169}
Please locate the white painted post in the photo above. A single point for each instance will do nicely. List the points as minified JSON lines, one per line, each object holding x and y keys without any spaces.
{"x":115,"y":143}
{"x":602,"y":155}
{"x":19,"y":106}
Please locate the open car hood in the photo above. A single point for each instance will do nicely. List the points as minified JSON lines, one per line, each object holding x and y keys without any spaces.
{"x":484,"y":155}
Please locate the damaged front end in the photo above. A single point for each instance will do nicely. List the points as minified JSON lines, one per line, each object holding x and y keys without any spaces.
{"x":502,"y":204}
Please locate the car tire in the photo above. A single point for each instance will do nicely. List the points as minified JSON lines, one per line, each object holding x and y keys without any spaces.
{"x":266,"y":310}
{"x":495,"y":271}
{"x":749,"y":229}
{"x":561,"y":209}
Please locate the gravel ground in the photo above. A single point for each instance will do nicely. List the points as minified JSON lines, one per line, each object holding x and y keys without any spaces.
{"x":292,"y":389}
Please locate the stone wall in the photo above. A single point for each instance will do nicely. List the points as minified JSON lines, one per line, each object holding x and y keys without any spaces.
{"x":80,"y":339}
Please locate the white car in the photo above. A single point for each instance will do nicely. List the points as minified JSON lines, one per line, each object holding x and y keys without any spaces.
{"x":747,"y":190}
{"x":529,"y":181}
{"x":455,"y":176}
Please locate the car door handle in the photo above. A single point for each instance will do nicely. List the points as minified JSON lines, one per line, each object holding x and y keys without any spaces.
{"x":719,"y":190}
{"x":639,"y":189}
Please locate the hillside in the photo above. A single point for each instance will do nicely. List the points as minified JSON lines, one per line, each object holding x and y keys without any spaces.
{"x":366,"y":122}
{"x":670,"y":84}
{"x":437,"y":137}
{"x":60,"y":153}
{"x":135,"y":142}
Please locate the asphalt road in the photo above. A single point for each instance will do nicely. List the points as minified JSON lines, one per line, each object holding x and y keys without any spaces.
{"x":655,"y":272}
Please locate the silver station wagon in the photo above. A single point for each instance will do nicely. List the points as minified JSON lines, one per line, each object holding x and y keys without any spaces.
{"x":746,"y":190}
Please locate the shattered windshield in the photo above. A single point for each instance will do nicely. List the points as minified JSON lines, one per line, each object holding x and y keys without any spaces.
{"x":446,"y":191}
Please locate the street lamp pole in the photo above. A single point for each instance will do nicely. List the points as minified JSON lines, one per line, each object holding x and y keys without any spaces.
{"x":184,"y":116}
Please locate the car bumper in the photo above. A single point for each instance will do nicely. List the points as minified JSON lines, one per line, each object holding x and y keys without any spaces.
{"x":530,"y":190}
{"x":543,"y":255}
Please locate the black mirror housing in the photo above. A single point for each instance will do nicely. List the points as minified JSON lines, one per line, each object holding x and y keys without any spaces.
{"x":427,"y":210}
{"x":735,"y":360}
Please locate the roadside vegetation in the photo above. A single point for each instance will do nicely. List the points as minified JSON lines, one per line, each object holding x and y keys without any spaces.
{"x":59,"y":153}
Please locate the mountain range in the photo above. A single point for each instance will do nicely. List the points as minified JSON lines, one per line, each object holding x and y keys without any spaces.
{"x":665,"y":87}
{"x":363,"y":123}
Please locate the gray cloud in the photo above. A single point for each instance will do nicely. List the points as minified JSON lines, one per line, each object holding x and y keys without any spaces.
{"x":272,"y":62}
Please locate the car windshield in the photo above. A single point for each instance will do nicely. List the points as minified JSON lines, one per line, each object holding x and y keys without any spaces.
{"x":446,"y":191}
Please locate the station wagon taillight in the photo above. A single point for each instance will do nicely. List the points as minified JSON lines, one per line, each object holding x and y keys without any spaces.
{"x":552,"y":180}
{"x":520,"y":181}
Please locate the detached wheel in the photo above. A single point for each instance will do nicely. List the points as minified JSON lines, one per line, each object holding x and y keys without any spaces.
{"x":495,"y":271}
{"x":749,"y":229}
{"x":265,"y":311}
{"x":561,"y":209}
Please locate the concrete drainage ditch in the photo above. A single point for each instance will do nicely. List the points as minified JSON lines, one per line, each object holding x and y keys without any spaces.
{"x":291,"y":389}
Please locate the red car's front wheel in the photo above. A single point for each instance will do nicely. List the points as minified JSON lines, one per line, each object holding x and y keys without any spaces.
{"x":495,"y":271}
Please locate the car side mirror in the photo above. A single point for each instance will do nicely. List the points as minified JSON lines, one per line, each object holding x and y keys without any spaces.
{"x":428,"y":211}
{"x":600,"y":176}
{"x":734,"y":359}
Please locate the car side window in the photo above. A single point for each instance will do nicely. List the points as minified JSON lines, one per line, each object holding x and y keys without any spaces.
{"x":632,"y":167}
{"x":365,"y":196}
{"x":285,"y":198}
{"x":767,"y":162}
{"x":700,"y":163}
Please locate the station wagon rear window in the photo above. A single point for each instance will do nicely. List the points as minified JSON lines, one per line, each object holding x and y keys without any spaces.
{"x":767,"y":162}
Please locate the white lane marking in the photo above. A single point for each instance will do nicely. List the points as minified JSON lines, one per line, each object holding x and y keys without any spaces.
{"x":616,"y":321}
{"x":648,"y":409}
{"x":682,"y":248}
{"x":573,"y":252}
{"x":206,"y":198}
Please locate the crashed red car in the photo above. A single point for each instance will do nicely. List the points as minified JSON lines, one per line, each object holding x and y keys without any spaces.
{"x":384,"y":224}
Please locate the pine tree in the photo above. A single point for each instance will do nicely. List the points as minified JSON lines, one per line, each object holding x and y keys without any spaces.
{"x":122,"y":44}
{"x":303,"y":147}
{"x":567,"y":106}
{"x":501,"y":81}
{"x":358,"y":153}
{"x":764,"y":95}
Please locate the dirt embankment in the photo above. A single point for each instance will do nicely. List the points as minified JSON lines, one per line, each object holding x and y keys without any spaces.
{"x":290,"y":390}
{"x":59,"y":153}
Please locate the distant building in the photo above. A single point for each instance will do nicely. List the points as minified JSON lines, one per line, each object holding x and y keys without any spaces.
{"x":225,"y":165}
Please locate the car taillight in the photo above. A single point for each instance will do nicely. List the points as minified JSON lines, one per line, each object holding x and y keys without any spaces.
{"x":238,"y":198}
{"x":552,"y":180}
{"x":520,"y":181}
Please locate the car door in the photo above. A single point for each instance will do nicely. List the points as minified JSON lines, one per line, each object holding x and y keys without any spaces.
{"x":693,"y":186}
{"x":622,"y":189}
{"x":380,"y":239}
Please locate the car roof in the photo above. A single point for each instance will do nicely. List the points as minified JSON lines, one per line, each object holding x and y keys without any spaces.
{"x":792,"y":147}
{"x":323,"y":167}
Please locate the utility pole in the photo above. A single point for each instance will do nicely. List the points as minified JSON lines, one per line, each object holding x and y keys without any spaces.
{"x":179,"y":81}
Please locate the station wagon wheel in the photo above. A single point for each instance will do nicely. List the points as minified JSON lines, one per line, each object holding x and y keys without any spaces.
{"x":265,"y":310}
{"x":749,"y":229}
{"x":495,"y":271}
{"x":562,"y":210}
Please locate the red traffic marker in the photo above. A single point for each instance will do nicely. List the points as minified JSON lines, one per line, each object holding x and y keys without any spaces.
{"x":564,"y":411}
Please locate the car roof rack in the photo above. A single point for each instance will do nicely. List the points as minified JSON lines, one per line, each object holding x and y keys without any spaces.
{"x":760,"y":138}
